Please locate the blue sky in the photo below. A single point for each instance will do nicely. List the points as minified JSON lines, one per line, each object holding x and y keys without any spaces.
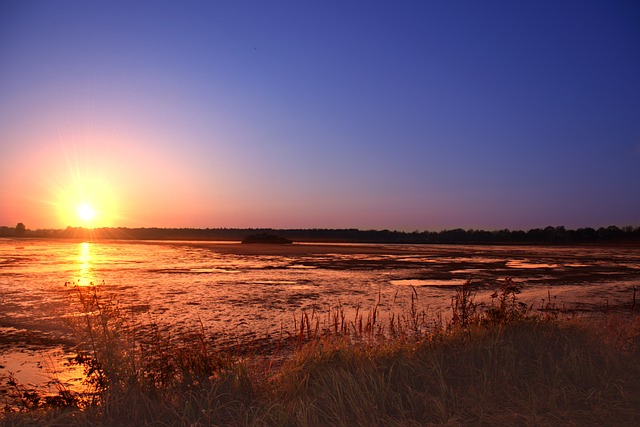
{"x":399,"y":115}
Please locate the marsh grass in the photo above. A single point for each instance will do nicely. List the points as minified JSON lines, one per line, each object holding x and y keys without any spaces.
{"x":144,"y":374}
{"x":366,"y":326}
{"x":502,"y":364}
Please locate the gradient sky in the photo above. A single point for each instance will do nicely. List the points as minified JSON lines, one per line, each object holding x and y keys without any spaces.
{"x":402,"y":115}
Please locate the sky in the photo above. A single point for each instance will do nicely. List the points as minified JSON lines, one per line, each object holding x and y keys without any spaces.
{"x":408,"y":115}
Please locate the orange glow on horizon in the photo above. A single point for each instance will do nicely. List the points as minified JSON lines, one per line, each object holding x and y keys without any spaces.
{"x":86,"y":201}
{"x":91,"y":179}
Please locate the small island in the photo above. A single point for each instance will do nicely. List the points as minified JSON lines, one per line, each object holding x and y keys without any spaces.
{"x":267,"y":238}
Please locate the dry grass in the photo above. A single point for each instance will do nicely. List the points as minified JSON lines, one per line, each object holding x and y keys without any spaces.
{"x":527,"y":373}
{"x":503,"y":365}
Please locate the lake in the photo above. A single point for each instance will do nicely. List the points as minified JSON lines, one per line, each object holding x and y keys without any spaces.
{"x":243,"y":293}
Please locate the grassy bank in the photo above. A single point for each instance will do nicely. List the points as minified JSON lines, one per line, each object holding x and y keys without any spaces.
{"x":502,"y":365}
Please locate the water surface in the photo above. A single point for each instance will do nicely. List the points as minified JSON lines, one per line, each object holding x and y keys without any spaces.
{"x":246,"y":292}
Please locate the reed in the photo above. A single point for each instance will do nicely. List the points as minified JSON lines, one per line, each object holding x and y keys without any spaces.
{"x":504,"y":364}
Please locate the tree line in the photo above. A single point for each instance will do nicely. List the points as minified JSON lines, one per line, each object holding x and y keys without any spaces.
{"x":547,"y":235}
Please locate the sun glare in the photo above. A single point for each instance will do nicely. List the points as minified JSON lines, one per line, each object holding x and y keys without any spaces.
{"x":93,"y":182}
{"x":85,"y":200}
{"x":86,"y":212}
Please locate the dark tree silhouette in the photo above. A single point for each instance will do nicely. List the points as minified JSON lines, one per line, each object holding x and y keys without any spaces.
{"x":543,"y":236}
{"x":20,"y":229}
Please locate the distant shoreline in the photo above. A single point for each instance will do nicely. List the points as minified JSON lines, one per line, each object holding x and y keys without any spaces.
{"x":611,"y":235}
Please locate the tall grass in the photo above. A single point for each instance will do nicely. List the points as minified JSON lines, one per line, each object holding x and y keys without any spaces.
{"x":536,"y":373}
{"x":409,"y":323}
{"x":142,"y":376}
{"x":504,"y":364}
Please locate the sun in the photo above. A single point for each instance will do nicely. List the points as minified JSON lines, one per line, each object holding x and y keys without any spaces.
{"x":86,"y":201}
{"x":85,"y":212}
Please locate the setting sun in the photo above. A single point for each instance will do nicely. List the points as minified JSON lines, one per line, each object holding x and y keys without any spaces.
{"x":86,"y":212}
{"x":79,"y":187}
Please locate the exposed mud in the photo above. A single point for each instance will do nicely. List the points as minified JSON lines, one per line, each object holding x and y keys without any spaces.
{"x":251,"y":293}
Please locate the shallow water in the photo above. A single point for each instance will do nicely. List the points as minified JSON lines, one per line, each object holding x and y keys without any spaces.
{"x":254,"y":291}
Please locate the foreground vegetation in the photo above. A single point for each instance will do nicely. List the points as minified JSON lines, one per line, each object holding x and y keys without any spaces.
{"x":504,"y":364}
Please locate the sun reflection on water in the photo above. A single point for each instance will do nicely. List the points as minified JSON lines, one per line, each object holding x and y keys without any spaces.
{"x":85,"y":270}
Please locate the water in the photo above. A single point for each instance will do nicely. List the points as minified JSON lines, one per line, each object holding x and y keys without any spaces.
{"x":248,"y":292}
